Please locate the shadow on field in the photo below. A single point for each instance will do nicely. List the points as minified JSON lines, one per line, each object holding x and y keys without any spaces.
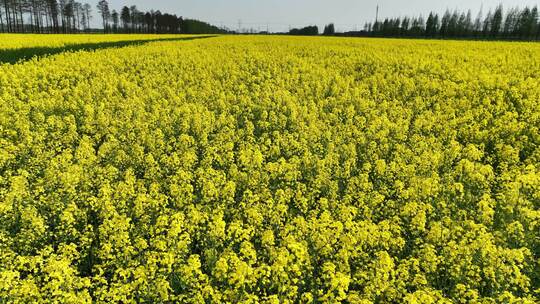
{"x":24,"y":54}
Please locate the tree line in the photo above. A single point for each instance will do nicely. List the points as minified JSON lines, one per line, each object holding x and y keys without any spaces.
{"x":514,"y":23}
{"x":70,"y":16}
{"x":44,"y":16}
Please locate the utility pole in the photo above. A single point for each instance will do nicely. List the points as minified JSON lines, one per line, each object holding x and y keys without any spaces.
{"x":377,"y":14}
{"x":239,"y":25}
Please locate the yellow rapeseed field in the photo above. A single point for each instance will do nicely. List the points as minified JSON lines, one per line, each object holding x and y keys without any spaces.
{"x":18,"y":41}
{"x":269,"y":169}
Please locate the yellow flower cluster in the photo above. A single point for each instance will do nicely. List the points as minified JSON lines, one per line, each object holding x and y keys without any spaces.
{"x":267,"y":169}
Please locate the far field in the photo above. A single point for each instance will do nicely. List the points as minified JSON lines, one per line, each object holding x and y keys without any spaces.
{"x":268,"y":169}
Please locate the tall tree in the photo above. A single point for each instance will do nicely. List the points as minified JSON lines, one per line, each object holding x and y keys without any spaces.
{"x":7,"y":15}
{"x":329,"y":29}
{"x":528,"y":23}
{"x":431,"y":25}
{"x":103,"y":9}
{"x":405,"y":22}
{"x":445,"y":23}
{"x":1,"y":21}
{"x":478,"y":24}
{"x":149,"y":21}
{"x":115,"y":20}
{"x":487,"y":24}
{"x":125,"y":17}
{"x":496,"y":21}
{"x":534,"y":23}
{"x":133,"y":11}
{"x":87,"y":8}
{"x":53,"y":9}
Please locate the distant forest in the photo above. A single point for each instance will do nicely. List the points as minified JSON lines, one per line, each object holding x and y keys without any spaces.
{"x":69,"y":16}
{"x":512,"y":24}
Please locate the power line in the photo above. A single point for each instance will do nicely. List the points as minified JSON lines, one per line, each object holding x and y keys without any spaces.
{"x":241,"y":25}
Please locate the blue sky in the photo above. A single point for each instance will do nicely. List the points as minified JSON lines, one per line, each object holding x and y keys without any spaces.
{"x":278,"y":15}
